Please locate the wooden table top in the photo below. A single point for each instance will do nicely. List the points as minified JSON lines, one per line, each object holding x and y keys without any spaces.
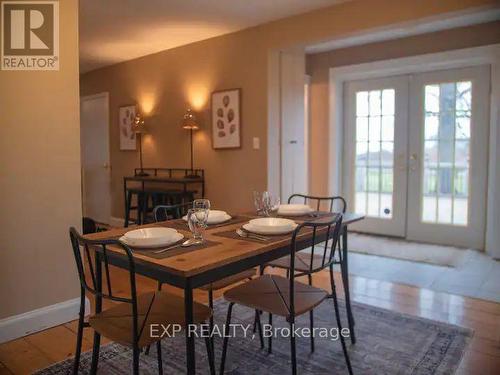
{"x":225,"y":251}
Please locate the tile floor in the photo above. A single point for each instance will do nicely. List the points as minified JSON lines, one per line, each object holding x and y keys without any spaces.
{"x":478,"y":276}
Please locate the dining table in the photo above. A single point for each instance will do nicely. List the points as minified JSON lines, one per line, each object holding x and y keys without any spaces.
{"x":222,"y":254}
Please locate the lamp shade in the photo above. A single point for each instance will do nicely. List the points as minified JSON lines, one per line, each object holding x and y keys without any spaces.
{"x":138,"y":125}
{"x":189,"y":121}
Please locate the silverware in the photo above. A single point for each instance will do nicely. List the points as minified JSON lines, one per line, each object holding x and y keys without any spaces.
{"x":187,"y":243}
{"x":240,"y":232}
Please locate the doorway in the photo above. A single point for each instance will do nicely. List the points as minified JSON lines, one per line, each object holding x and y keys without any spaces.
{"x":416,"y":157}
{"x":95,"y":156}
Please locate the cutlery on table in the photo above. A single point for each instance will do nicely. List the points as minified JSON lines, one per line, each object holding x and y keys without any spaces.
{"x":240,"y":232}
{"x":187,"y":243}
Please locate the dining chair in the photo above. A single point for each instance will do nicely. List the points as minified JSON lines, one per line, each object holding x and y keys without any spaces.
{"x":177,"y":211}
{"x":283,"y":296}
{"x":309,"y":264}
{"x":128,"y":321}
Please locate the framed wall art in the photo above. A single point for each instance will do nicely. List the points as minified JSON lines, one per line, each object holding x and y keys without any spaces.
{"x":226,"y":119}
{"x":127,"y":135}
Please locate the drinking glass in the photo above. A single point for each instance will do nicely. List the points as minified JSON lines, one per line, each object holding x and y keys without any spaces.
{"x":258,"y":203}
{"x":197,"y":221}
{"x":270,"y":203}
{"x":201,"y":203}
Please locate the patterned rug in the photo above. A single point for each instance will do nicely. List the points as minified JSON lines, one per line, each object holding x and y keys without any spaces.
{"x":388,"y":343}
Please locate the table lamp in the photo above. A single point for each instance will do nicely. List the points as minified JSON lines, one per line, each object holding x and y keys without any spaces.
{"x":189,"y":123}
{"x":139,"y":129}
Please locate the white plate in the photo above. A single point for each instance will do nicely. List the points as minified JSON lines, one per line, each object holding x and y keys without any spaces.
{"x":215,"y":217}
{"x":294,"y":209}
{"x":151,"y":237}
{"x":270,"y":225}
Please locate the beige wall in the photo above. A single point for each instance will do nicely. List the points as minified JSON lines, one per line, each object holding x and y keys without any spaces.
{"x":318,"y":66}
{"x":167,"y":83}
{"x":40,"y":178}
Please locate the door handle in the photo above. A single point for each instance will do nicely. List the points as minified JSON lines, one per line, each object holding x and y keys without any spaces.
{"x":413,"y":162}
{"x":106,"y":166}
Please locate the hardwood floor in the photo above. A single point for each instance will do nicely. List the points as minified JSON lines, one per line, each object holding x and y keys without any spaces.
{"x":39,"y":350}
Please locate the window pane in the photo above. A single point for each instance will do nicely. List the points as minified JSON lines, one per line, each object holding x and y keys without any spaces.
{"x":387,"y":154}
{"x":361,"y":182}
{"x":388,"y":102}
{"x":388,"y":128}
{"x":386,"y":185}
{"x":374,"y":153}
{"x":432,"y":98}
{"x":375,"y":103}
{"x":431,"y":126}
{"x":374,"y":129}
{"x":362,"y":103}
{"x":462,"y":130}
{"x":373,"y":179}
{"x":431,"y":153}
{"x":462,"y":154}
{"x":429,"y":208}
{"x":444,"y":210}
{"x":362,"y":128}
{"x":460,"y":211}
{"x":373,"y":205}
{"x":361,"y":153}
{"x":464,"y":91}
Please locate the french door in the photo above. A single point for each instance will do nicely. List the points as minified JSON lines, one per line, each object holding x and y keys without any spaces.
{"x":416,"y":155}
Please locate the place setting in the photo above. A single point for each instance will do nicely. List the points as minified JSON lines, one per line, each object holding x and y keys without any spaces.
{"x":163,"y":242}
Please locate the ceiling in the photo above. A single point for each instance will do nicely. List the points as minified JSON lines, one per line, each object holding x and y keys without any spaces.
{"x":113,"y":31}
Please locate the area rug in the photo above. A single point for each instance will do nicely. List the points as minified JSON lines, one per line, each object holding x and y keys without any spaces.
{"x":400,"y":249}
{"x":388,"y":343}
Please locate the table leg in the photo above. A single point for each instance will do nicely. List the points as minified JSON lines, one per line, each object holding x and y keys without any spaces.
{"x":190,"y":345}
{"x":345,"y":280}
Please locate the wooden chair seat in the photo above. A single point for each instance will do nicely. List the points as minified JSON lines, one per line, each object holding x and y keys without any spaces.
{"x":302,"y":262}
{"x":229,"y":280}
{"x":152,"y":308}
{"x":270,"y":293}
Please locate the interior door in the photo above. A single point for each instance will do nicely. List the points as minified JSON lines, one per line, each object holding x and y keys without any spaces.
{"x":375,"y":148}
{"x":96,"y":179}
{"x":448,"y":157}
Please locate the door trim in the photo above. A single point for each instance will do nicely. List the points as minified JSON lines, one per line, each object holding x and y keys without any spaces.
{"x":104,"y":95}
{"x":468,"y":57}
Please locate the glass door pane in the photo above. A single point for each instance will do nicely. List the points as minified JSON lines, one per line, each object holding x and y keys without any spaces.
{"x":374,"y":161}
{"x":445,"y":167}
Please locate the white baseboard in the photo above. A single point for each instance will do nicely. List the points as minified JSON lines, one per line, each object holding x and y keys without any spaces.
{"x":116,"y":221}
{"x":30,"y":322}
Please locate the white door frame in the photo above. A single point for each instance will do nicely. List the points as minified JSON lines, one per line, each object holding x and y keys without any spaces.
{"x":104,"y":95}
{"x":485,"y":55}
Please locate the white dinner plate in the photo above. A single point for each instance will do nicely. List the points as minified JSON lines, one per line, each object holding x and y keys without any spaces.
{"x":294,"y":209}
{"x":149,"y":238}
{"x":270,"y":225}
{"x":215,"y":217}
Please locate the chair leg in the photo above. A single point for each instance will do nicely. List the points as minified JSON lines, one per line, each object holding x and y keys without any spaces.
{"x":292,"y":348}
{"x":95,"y":353}
{"x":79,"y":336}
{"x":135,"y":360}
{"x":158,"y":353}
{"x":210,"y":353}
{"x":211,"y":305}
{"x":270,"y":338}
{"x":339,"y":324}
{"x":259,"y":327}
{"x":311,"y":318}
{"x":128,"y":203}
{"x":226,"y":338}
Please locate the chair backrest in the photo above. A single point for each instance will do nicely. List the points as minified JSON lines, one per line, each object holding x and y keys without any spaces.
{"x":330,"y":201}
{"x":171,"y":212}
{"x":327,"y":227}
{"x":172,"y":172}
{"x":90,"y":273}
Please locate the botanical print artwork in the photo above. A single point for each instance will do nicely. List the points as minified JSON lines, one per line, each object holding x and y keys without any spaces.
{"x":127,"y":135}
{"x":226,"y":126}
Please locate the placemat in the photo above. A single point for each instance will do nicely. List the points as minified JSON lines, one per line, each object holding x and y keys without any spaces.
{"x":176,"y":251}
{"x":180,"y":224}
